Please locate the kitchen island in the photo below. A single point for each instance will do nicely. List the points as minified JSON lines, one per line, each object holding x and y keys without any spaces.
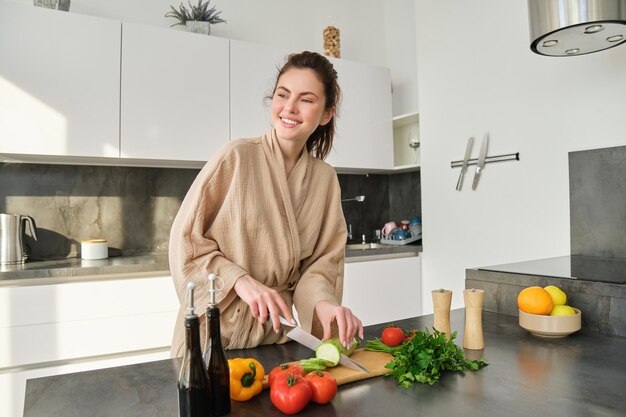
{"x":583,"y":374}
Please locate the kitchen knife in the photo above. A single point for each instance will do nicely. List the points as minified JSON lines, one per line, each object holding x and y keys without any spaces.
{"x":468,"y":152}
{"x":481,"y":160}
{"x":312,"y":342}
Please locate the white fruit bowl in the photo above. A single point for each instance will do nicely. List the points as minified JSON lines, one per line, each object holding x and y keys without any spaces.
{"x":550,"y":326}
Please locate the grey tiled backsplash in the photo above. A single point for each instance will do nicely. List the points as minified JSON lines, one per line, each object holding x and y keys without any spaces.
{"x":598,"y":202}
{"x":133,"y":208}
{"x":387,"y":198}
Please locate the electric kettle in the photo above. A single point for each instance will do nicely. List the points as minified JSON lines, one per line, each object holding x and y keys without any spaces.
{"x":12,"y":237}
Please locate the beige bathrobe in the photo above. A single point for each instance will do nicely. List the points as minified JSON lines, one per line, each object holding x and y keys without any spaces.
{"x":242,"y":215}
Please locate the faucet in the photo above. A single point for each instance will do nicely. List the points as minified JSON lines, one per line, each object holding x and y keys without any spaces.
{"x":358,"y":199}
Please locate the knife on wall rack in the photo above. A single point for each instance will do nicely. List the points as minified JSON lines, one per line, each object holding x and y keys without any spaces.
{"x":481,"y":160}
{"x":468,"y":152}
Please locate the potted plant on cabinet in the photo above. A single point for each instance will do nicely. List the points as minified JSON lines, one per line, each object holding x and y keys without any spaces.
{"x":197,"y":18}
{"x":63,"y":5}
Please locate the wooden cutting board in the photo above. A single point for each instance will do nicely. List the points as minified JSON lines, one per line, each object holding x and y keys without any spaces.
{"x":374,"y":361}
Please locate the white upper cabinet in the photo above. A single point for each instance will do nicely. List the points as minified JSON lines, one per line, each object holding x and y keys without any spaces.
{"x":253,"y":70}
{"x":76,"y":88}
{"x":59,"y":82}
{"x":175,"y":94}
{"x":364,"y":132}
{"x":364,"y":127}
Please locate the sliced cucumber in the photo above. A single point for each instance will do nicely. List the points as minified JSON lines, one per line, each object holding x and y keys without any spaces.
{"x":315,"y":361}
{"x":328,"y":351}
{"x":347,"y":352}
{"x":326,"y":363}
{"x":311,"y":368}
{"x":314,"y":364}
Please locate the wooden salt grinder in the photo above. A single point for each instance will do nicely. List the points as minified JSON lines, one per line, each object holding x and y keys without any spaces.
{"x":441,"y":304}
{"x":473,"y":337}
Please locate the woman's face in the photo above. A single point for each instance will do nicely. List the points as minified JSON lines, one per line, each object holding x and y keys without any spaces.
{"x":298,"y":105}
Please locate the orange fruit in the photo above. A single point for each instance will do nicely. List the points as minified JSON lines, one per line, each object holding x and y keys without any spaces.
{"x":535,"y":300}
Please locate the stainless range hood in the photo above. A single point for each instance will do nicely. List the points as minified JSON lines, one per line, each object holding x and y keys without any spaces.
{"x":576,"y":27}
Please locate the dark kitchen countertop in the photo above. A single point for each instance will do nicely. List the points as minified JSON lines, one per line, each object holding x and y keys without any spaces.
{"x":583,"y":374}
{"x":76,"y":269}
{"x":381,"y":253}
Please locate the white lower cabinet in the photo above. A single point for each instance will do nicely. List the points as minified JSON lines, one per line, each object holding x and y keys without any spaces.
{"x":383,"y":290}
{"x":71,"y":327}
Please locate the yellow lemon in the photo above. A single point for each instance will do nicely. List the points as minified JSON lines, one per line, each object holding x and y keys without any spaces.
{"x":558,"y":296}
{"x":562,"y":310}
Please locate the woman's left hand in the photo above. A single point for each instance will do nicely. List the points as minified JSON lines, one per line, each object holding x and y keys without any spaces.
{"x":348,"y":324}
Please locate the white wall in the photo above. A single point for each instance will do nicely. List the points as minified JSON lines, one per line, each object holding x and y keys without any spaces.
{"x":477,"y":74}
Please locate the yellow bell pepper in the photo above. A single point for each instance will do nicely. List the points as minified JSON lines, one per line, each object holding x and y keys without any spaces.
{"x":246,"y":378}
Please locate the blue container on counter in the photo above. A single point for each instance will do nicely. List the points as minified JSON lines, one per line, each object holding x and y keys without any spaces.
{"x":398,"y":234}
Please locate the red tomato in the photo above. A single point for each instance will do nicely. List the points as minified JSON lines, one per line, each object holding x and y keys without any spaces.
{"x":290,"y":393}
{"x":323,"y":386}
{"x":283,"y":368}
{"x":392,"y":336}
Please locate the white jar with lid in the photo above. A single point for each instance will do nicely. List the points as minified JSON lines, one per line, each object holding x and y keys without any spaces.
{"x":94,"y":249}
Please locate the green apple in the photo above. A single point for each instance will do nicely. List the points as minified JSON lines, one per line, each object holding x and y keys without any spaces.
{"x":558,"y":296}
{"x":562,"y":310}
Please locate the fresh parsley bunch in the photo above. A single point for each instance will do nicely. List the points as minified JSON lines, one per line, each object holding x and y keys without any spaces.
{"x":424,"y":357}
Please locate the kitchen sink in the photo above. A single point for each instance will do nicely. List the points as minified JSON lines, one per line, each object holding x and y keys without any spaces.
{"x":366,"y":246}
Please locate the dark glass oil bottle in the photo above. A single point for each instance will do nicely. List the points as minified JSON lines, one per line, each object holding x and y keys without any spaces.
{"x":193,"y":381}
{"x":215,"y":358}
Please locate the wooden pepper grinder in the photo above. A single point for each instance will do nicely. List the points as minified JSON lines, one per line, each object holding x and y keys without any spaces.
{"x":441,"y":304}
{"x":473,"y":337}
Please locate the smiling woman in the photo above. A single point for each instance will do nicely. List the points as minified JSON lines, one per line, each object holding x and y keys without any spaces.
{"x":298,"y":109}
{"x":314,"y":80}
{"x":287,"y":249}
